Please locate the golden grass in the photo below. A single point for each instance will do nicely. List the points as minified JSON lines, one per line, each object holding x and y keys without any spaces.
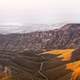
{"x":75,"y":67}
{"x":64,"y":53}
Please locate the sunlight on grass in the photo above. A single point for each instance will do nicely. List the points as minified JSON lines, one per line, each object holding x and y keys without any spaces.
{"x":64,"y":53}
{"x":72,"y":66}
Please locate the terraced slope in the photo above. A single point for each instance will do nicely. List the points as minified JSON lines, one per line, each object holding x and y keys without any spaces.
{"x":23,"y":67}
{"x":51,"y":65}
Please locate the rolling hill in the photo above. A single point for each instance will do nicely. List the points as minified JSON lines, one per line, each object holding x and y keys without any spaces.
{"x":41,"y":55}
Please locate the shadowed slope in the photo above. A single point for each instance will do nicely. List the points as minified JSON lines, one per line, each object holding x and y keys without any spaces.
{"x":51,"y":65}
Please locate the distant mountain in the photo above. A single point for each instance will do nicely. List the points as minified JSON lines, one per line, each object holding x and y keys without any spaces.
{"x":25,"y":28}
{"x":68,"y":36}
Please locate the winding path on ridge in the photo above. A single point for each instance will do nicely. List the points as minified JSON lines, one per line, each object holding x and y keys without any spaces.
{"x":40,"y":75}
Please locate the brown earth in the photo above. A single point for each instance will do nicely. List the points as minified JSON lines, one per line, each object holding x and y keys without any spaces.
{"x":51,"y":65}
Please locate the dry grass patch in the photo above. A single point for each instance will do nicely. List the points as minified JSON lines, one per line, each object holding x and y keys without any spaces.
{"x":65,"y":54}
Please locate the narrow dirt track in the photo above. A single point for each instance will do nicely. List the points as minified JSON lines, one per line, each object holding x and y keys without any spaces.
{"x":40,"y":75}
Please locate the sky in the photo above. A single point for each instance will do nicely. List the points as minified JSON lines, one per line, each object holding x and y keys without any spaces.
{"x":39,"y":11}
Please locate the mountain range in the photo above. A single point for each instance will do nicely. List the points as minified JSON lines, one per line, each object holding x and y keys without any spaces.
{"x":68,"y":36}
{"x":41,"y":55}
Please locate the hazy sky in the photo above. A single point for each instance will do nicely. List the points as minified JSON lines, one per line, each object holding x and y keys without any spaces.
{"x":39,"y":11}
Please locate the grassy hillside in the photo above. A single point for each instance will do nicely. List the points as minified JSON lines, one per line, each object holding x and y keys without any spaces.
{"x":73,"y":67}
{"x":50,"y":65}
